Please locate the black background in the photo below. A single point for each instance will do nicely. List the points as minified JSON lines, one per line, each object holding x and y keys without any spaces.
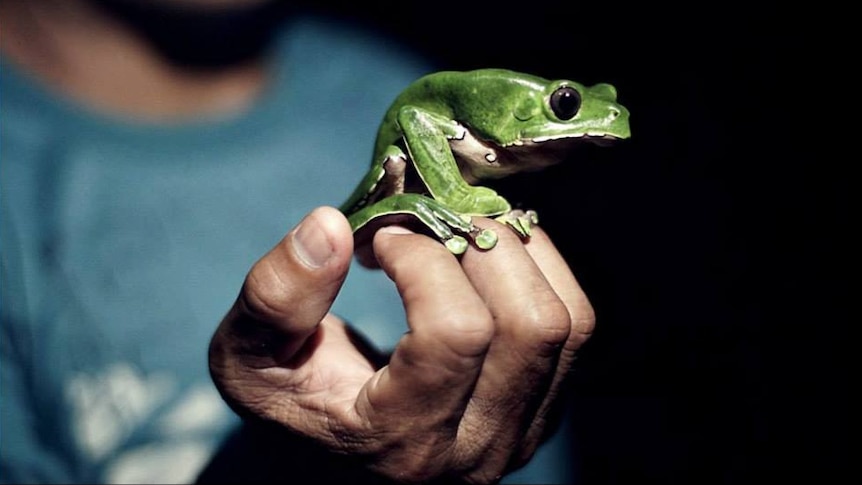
{"x":712,"y":244}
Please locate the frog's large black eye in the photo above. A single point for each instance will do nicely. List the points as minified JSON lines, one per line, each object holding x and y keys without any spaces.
{"x":565,"y":102}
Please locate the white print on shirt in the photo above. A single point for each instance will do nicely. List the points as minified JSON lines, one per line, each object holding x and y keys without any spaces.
{"x":110,"y":406}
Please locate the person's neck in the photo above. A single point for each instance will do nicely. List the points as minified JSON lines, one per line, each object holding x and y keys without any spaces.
{"x":85,"y":54}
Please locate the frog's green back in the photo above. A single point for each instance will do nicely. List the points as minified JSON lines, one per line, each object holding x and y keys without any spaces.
{"x":453,"y":94}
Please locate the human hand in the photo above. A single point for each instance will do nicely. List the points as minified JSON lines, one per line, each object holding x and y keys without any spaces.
{"x":467,"y":391}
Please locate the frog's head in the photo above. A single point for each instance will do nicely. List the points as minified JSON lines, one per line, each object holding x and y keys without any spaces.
{"x":524,"y":122}
{"x":548,"y":121}
{"x":567,"y":110}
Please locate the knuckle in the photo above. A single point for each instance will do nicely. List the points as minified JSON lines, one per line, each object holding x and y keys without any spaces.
{"x":466,"y":333}
{"x":546,"y":324}
{"x":583,"y":327}
{"x":583,"y":324}
{"x":486,"y":465}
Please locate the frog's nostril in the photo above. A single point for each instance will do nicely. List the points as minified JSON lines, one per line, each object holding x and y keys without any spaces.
{"x":615,"y":113}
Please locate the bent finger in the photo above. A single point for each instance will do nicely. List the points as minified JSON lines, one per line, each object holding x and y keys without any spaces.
{"x":432,"y":372}
{"x":532,"y":324}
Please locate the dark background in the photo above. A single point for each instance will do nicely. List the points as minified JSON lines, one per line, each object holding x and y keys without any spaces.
{"x":713,"y":244}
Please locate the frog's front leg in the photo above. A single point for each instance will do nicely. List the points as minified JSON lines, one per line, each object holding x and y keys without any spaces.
{"x":437,"y":217}
{"x":427,"y":137}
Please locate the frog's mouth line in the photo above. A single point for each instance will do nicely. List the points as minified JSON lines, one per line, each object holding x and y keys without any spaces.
{"x":600,"y":140}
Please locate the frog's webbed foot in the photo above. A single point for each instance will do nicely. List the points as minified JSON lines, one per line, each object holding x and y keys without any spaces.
{"x":520,"y":221}
{"x":450,"y":227}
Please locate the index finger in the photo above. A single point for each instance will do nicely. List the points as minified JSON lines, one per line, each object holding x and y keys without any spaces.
{"x":434,"y":368}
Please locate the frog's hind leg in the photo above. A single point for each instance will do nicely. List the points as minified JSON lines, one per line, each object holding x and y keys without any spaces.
{"x":386,"y":177}
{"x":520,"y":221}
{"x":440,"y":220}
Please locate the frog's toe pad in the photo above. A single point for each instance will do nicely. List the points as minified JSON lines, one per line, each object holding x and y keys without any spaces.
{"x":456,"y":244}
{"x":486,"y":239}
{"x":520,"y":221}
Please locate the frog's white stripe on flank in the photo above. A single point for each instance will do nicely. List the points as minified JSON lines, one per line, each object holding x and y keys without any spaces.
{"x":460,"y":134}
{"x":472,"y":150}
{"x":540,"y":139}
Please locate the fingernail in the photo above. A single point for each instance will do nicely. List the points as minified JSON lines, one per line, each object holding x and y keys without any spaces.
{"x":311,"y":244}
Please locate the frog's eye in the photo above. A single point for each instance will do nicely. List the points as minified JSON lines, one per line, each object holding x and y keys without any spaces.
{"x":565,"y":102}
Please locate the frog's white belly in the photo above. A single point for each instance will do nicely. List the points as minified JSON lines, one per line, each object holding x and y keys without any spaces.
{"x":481,"y":159}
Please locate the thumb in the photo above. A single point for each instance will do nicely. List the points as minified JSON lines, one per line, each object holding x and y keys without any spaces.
{"x":287,"y":293}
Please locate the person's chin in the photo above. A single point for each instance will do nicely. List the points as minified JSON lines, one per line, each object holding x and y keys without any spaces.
{"x":202,"y":34}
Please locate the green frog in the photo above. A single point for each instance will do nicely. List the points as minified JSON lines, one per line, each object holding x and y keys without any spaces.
{"x":449,"y":130}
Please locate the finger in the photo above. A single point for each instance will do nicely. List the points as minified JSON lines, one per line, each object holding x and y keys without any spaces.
{"x":434,"y":367}
{"x":288,"y":291}
{"x":561,"y":278}
{"x":583,"y":321}
{"x":559,"y":275}
{"x":532,"y":324}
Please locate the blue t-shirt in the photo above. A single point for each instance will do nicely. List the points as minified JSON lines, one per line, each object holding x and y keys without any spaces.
{"x":124,"y":243}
